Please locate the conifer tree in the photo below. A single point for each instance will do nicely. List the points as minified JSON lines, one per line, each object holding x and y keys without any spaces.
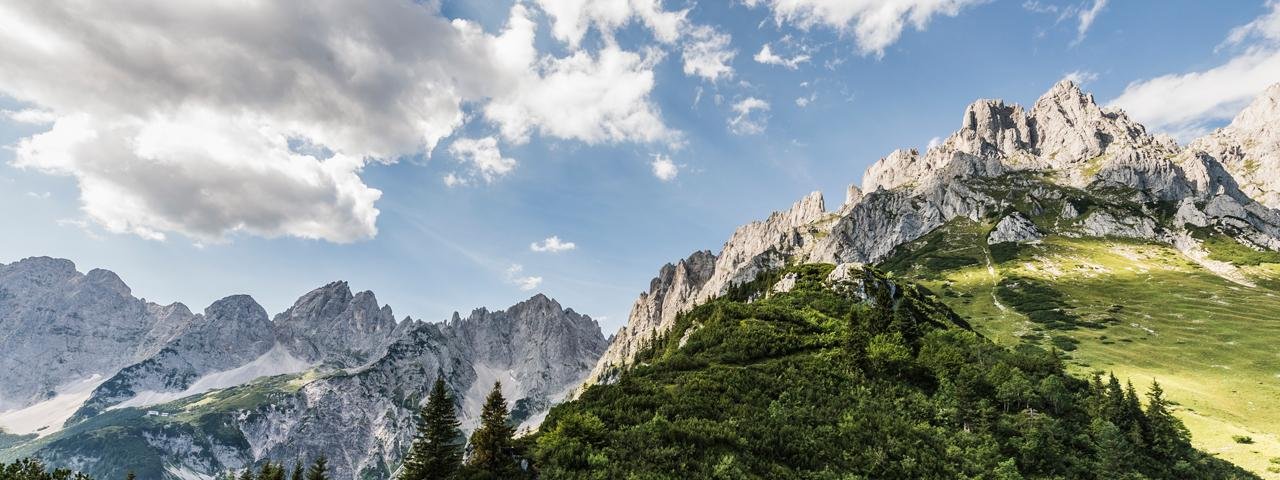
{"x":247,"y":474}
{"x":491,"y":443}
{"x":1168,"y":437}
{"x":297,"y":471}
{"x":436,"y":452}
{"x":319,"y":470}
{"x":130,"y":476}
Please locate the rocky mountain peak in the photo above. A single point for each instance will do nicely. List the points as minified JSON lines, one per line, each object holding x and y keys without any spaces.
{"x":237,"y":309}
{"x":1249,"y":148}
{"x":108,"y":280}
{"x":1261,"y":114}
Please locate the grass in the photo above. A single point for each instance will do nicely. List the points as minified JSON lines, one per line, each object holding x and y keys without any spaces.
{"x":1152,"y":314}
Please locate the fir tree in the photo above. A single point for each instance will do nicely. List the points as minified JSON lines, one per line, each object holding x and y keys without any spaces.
{"x":436,"y":452}
{"x":492,"y":442}
{"x":319,"y":470}
{"x":297,"y":471}
{"x":1167,"y":437}
{"x":130,"y":476}
{"x":247,"y":474}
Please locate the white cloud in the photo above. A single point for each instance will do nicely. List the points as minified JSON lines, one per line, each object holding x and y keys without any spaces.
{"x":707,"y":54}
{"x":552,"y":244}
{"x":570,"y":19}
{"x":32,"y":116}
{"x":933,"y":142}
{"x":874,"y":24}
{"x":484,"y":156}
{"x":180,"y":117}
{"x":515,"y":277}
{"x":803,"y":102}
{"x":1187,"y":105}
{"x":594,"y":99}
{"x":452,"y":179}
{"x":1080,"y":77}
{"x":767,"y":57}
{"x":38,"y":195}
{"x":706,"y":50}
{"x":750,"y":119}
{"x":664,"y":168}
{"x":1086,"y":20}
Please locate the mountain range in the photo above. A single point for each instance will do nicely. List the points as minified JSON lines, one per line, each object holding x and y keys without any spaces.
{"x":1028,"y":221}
{"x":97,"y":379}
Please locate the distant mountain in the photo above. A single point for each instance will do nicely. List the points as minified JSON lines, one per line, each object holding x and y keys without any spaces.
{"x":106,"y":383}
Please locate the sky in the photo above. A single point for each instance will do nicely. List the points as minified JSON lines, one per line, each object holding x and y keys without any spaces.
{"x":452,"y":154}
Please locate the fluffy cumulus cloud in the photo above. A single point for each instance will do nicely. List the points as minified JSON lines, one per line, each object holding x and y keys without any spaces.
{"x":750,"y":116}
{"x":552,"y":244}
{"x":706,"y":51}
{"x":1189,"y":104}
{"x":663,"y":168}
{"x":515,"y":276}
{"x":874,"y":24}
{"x":213,"y":118}
{"x":482,"y":157}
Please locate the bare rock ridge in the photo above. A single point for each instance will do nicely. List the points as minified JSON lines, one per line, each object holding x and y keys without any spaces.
{"x":365,"y":372}
{"x":1064,"y":148}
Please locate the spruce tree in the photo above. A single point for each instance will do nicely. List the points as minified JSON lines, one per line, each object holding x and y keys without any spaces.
{"x":436,"y":452}
{"x":319,"y":470}
{"x":1168,"y":437}
{"x":297,"y":471}
{"x":247,"y":474}
{"x":130,"y":476}
{"x":492,"y":443}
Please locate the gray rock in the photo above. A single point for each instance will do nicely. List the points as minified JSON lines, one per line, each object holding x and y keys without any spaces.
{"x":1014,"y":228}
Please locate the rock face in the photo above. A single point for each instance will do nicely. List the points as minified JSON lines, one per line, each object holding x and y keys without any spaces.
{"x":59,"y":326}
{"x":356,"y":375}
{"x":1063,"y":149}
{"x":753,"y":248}
{"x":1249,"y":148}
{"x":1014,"y":228}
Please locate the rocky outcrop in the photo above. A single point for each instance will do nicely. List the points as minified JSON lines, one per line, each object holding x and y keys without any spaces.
{"x":1014,"y":227}
{"x":753,"y":248}
{"x":1249,"y":148}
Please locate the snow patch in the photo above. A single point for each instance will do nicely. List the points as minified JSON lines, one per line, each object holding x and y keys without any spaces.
{"x":184,"y":473}
{"x":48,"y":416}
{"x":277,"y":361}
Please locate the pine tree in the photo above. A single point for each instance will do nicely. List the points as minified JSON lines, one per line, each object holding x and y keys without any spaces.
{"x":247,"y":474}
{"x":436,"y":452}
{"x":1168,"y":437}
{"x":1113,"y":405}
{"x":297,"y":471}
{"x":130,"y":476}
{"x":491,"y":443}
{"x":319,"y":470}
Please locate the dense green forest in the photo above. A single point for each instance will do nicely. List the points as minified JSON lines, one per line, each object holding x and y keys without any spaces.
{"x":867,"y":377}
{"x":820,"y":383}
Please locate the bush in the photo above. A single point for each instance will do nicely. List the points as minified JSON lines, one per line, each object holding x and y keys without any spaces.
{"x":1244,"y":439}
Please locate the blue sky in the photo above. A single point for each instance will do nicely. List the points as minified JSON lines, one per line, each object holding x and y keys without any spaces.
{"x":560,"y":169}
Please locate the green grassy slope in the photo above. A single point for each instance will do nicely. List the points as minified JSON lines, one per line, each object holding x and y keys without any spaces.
{"x":1139,"y":309}
{"x":817,"y":384}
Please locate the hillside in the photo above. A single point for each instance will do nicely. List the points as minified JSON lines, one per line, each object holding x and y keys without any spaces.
{"x":813,"y":374}
{"x":1139,"y":308}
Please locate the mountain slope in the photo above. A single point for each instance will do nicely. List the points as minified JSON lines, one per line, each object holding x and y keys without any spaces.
{"x":1065,"y":168}
{"x":818,"y":372}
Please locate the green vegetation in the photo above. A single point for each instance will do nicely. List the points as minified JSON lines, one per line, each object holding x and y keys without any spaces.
{"x":1144,"y":311}
{"x":817,"y":384}
{"x":1227,"y":249}
{"x":436,"y":451}
{"x":33,"y":469}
